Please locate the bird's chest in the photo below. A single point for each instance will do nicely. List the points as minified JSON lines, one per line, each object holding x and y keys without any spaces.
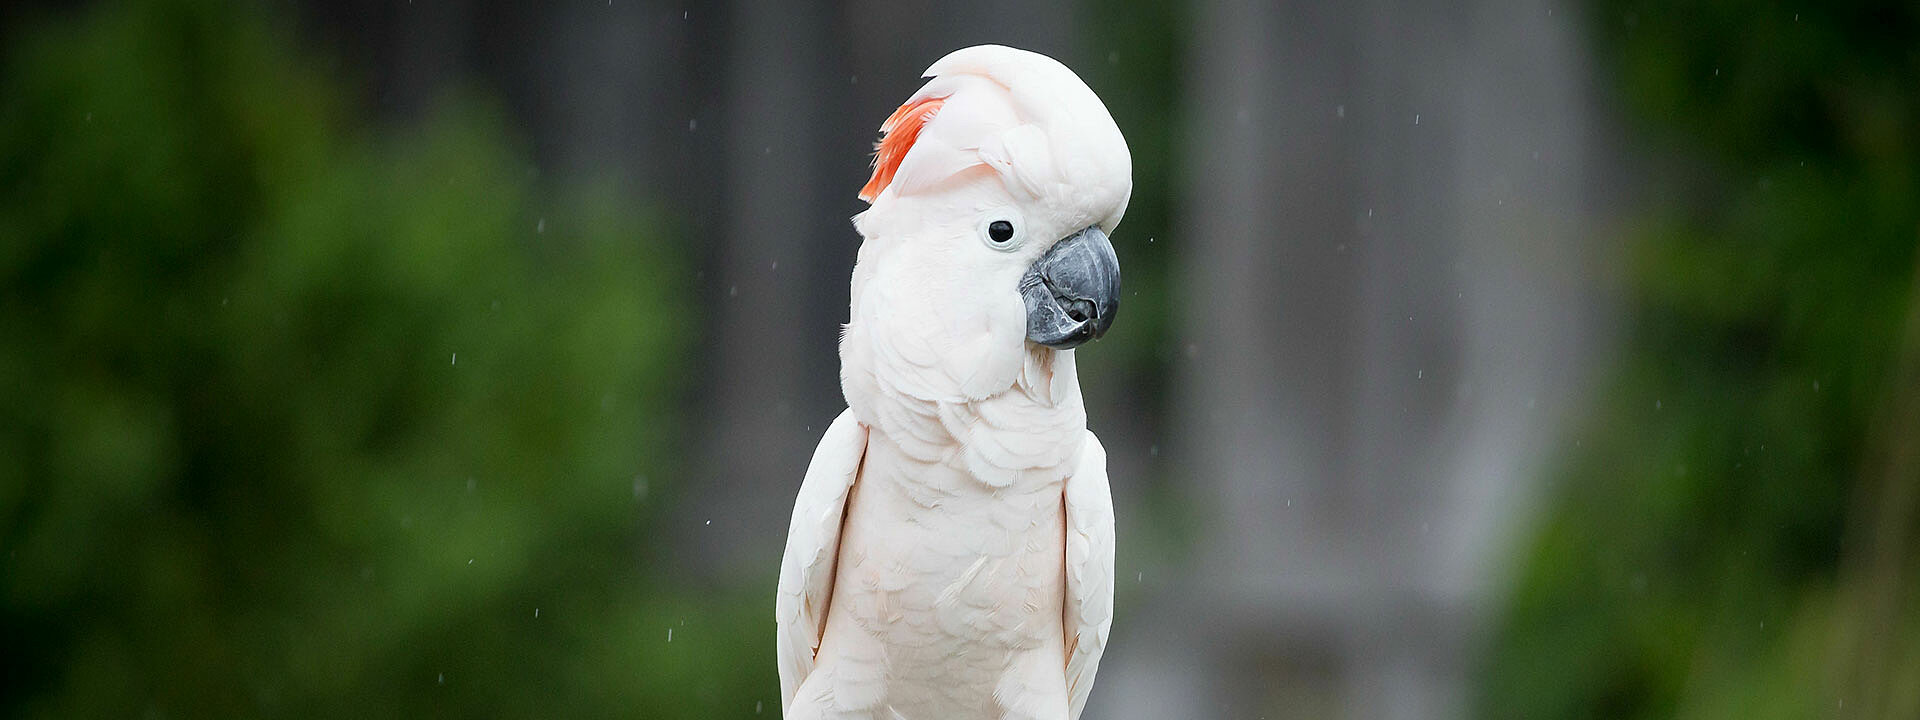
{"x":940,"y":568}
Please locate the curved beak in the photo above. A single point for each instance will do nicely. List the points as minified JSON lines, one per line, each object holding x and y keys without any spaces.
{"x":1072,"y":292}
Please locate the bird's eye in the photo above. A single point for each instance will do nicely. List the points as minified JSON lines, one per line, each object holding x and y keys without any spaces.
{"x":1000,"y":232}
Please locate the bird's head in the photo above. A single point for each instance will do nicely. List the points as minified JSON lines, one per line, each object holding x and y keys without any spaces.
{"x":994,"y":189}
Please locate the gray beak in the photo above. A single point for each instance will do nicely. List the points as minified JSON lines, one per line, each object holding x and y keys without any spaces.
{"x":1072,"y":292}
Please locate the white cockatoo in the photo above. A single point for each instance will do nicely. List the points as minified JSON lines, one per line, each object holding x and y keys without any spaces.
{"x":951,"y":550}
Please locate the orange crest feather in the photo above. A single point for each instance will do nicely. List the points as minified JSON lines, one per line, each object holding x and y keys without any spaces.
{"x":896,"y":138}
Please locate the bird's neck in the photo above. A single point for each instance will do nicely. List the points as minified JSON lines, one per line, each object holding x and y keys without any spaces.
{"x":1027,"y":432}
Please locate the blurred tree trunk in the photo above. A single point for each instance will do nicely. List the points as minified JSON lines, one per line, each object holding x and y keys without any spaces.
{"x":1874,"y":660}
{"x":768,"y":289}
{"x":1386,"y":240}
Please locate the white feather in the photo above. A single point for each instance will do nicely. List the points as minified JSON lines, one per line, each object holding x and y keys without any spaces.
{"x":813,"y":545}
{"x":1089,"y":606}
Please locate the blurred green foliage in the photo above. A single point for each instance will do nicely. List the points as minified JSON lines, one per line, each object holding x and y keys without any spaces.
{"x":1708,"y":555}
{"x":308,"y":418}
{"x":1134,"y":68}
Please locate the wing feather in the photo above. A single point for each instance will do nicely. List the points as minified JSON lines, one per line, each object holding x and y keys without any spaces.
{"x":813,"y":545}
{"x":1089,"y":607}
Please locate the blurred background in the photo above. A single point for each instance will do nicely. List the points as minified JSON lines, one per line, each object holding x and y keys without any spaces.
{"x":1524,"y":359}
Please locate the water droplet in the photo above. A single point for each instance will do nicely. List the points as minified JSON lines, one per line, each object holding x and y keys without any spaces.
{"x":669,"y":634}
{"x":455,"y":360}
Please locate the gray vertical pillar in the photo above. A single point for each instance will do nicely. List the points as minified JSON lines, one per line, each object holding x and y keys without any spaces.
{"x":1389,"y":305}
{"x":772,"y":343}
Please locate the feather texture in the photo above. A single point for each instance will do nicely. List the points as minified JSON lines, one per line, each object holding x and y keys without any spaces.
{"x":1089,"y":606}
{"x":898,"y":134}
{"x":813,"y":546}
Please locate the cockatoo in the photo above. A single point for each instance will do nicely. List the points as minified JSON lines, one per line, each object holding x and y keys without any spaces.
{"x":950,"y":555}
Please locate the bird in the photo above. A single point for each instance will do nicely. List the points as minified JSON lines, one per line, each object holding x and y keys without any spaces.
{"x":951,"y":550}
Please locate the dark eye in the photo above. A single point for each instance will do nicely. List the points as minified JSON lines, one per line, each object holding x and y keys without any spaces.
{"x":1000,"y":231}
